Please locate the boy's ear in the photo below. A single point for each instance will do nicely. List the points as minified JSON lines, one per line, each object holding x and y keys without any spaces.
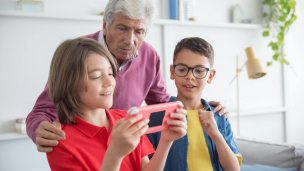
{"x":211,"y":76}
{"x":171,"y":72}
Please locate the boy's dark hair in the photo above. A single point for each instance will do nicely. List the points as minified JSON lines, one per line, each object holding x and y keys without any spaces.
{"x":196,"y":45}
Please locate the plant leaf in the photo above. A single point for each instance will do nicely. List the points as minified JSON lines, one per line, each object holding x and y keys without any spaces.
{"x":282,"y":18}
{"x":266,"y":33}
{"x":293,"y":5}
{"x":287,"y":63}
{"x":275,"y":47}
{"x":276,"y":56}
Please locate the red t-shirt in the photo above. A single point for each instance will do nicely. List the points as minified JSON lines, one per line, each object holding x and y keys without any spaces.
{"x":86,"y":145}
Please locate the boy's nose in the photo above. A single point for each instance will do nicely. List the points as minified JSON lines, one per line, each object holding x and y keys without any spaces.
{"x":190,"y":74}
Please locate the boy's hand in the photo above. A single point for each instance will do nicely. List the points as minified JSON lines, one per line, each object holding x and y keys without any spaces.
{"x":209,"y":124}
{"x":126,"y":136}
{"x":178,"y":127}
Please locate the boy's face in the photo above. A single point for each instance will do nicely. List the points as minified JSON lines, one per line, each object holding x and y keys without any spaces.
{"x":100,"y":84}
{"x":190,"y":87}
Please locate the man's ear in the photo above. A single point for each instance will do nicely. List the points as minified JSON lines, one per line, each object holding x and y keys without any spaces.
{"x":171,"y":72}
{"x":104,"y":27}
{"x":211,"y":76}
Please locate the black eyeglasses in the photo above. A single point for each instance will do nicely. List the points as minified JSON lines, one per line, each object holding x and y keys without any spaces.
{"x":198,"y":72}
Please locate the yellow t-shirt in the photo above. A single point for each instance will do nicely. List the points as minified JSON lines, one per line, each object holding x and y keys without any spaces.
{"x":198,"y":157}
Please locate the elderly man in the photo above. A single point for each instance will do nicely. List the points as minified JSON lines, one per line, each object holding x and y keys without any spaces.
{"x":139,"y":77}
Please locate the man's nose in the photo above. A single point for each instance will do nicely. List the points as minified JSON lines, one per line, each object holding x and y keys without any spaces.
{"x":129,"y":38}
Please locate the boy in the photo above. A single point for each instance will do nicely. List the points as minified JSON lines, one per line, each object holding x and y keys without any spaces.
{"x":209,"y":143}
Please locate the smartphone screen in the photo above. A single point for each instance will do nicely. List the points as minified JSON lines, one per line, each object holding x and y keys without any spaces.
{"x":156,"y":118}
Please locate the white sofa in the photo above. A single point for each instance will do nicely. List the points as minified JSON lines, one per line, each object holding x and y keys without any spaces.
{"x":272,"y":154}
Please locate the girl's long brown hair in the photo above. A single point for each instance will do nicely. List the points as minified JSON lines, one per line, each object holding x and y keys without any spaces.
{"x":68,"y":75}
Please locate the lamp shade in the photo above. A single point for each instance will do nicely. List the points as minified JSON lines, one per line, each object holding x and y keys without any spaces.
{"x":254,"y":67}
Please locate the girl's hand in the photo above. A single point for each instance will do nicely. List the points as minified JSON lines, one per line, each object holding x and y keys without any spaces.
{"x":209,"y":124}
{"x":126,"y":136}
{"x":178,"y":127}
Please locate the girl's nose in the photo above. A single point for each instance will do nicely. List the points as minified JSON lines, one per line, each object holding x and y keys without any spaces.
{"x":109,"y":81}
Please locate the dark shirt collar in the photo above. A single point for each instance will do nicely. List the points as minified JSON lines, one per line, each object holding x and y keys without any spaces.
{"x":206,"y":104}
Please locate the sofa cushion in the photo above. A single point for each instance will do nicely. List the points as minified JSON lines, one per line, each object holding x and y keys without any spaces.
{"x":258,"y":167}
{"x":272,"y":154}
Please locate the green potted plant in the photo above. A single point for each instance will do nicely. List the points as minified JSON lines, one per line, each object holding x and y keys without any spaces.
{"x":278,"y":20}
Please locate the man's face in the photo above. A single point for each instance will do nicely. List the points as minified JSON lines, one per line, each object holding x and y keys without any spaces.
{"x":190,"y":87}
{"x":124,"y":36}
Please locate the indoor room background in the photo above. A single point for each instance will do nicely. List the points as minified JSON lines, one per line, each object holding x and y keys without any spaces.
{"x":271,"y":108}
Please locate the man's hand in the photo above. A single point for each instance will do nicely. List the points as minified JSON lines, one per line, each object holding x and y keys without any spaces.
{"x":48,"y":134}
{"x":209,"y":124}
{"x":218,"y":107}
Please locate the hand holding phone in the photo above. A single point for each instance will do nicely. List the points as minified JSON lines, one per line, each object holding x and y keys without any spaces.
{"x":158,"y":115}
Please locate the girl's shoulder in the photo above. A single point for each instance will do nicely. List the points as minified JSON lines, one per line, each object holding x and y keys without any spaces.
{"x":117,"y":114}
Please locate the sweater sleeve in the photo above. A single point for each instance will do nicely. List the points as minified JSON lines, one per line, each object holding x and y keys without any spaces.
{"x":44,"y":110}
{"x":158,"y":91}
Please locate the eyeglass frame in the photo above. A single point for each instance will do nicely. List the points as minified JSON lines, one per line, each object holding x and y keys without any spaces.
{"x":192,"y":71}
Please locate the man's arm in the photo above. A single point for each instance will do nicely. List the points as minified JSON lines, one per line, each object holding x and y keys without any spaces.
{"x":44,"y":133}
{"x":158,"y":91}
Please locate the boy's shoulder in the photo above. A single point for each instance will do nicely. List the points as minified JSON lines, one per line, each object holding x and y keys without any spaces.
{"x":208,"y":107}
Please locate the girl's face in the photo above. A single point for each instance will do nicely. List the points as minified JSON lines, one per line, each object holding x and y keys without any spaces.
{"x":100,"y":84}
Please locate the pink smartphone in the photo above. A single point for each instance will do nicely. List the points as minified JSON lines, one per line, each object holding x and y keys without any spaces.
{"x":158,"y":115}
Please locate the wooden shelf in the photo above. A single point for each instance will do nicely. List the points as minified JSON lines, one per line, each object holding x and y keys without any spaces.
{"x":259,"y":112}
{"x":12,"y":136}
{"x":99,"y":18}
{"x":198,"y":24}
{"x":11,"y":13}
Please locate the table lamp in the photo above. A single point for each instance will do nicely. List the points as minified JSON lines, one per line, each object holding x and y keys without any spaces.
{"x":254,"y":70}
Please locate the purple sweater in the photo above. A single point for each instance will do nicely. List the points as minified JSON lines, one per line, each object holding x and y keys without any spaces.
{"x":139,"y":80}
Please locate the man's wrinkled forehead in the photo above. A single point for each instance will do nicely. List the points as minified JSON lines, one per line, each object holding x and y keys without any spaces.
{"x":122,"y":20}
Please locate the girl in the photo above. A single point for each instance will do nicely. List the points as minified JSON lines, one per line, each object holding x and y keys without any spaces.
{"x":81,"y":85}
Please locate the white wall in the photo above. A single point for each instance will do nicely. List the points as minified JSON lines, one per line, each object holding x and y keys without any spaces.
{"x":21,"y":155}
{"x":295,"y":42}
{"x":27,"y":46}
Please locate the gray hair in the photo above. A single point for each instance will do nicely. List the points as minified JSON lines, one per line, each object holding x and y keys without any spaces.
{"x":134,"y":9}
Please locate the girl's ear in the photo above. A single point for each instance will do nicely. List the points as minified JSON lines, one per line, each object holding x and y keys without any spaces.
{"x":211,"y":76}
{"x":171,"y":72}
